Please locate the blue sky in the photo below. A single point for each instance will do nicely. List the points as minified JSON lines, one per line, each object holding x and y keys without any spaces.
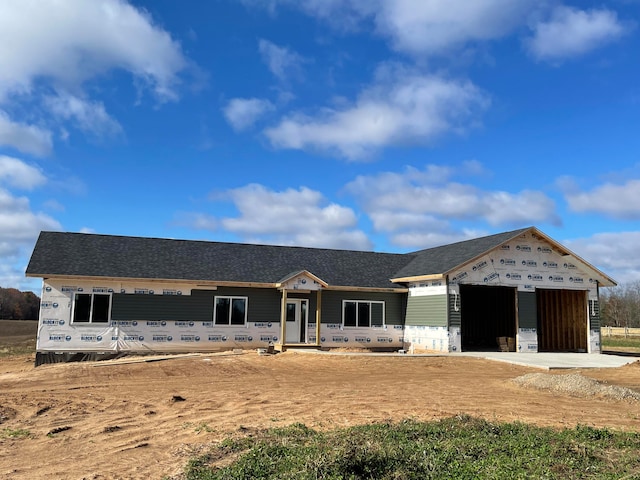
{"x":386,"y":125}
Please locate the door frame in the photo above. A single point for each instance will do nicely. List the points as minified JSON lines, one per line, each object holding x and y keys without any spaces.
{"x":300,"y":324}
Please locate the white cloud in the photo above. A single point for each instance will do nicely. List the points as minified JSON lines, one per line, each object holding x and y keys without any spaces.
{"x":90,"y":117}
{"x":242,"y":113}
{"x":47,"y":45}
{"x":419,"y":27}
{"x":25,"y":138}
{"x":571,"y":32}
{"x":436,"y":26}
{"x":401,"y":107}
{"x":17,"y":173}
{"x":199,"y":221}
{"x":414,"y":204}
{"x":69,"y":42}
{"x":614,"y":200}
{"x":292,"y":217}
{"x":19,"y":225}
{"x":615,"y":253}
{"x":283,"y":62}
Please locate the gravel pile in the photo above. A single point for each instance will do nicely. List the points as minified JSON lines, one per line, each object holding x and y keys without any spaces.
{"x":576,"y":385}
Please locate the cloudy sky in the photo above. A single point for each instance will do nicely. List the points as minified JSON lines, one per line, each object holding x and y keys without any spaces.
{"x":387,"y":125}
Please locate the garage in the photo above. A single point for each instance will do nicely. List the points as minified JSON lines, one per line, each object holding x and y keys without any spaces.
{"x":562,"y":320}
{"x":487,"y":312}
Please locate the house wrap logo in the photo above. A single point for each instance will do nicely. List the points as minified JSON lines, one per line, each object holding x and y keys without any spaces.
{"x":52,"y":322}
{"x":124,"y":323}
{"x":161,"y":338}
{"x":479,"y":265}
{"x":544,"y":250}
{"x":90,"y":338}
{"x":217,"y":338}
{"x":529,"y":263}
{"x":459,"y":277}
{"x":491,"y":277}
{"x":155,"y":323}
{"x":508,"y":262}
{"x":550,"y":265}
{"x":523,"y":248}
{"x":189,"y":338}
{"x":184,"y":324}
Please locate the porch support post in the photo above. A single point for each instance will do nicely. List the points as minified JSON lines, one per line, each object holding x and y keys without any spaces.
{"x":318,"y":314}
{"x":283,"y":317}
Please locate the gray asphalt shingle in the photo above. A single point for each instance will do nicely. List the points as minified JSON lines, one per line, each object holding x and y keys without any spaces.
{"x":79,"y":254}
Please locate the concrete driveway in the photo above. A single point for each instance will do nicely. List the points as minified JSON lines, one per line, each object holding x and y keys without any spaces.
{"x":550,"y":361}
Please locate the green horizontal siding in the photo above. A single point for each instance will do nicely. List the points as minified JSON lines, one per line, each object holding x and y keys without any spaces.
{"x":428,"y":310}
{"x":527,"y":310}
{"x":332,"y":305}
{"x":263,"y":305}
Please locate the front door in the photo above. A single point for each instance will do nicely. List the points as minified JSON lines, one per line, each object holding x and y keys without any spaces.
{"x":297,"y":320}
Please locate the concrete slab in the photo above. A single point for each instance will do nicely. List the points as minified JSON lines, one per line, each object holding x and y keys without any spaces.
{"x":545,"y":361}
{"x":551,"y":361}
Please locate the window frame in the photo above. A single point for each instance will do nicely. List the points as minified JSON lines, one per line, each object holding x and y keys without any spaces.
{"x":231,"y":298}
{"x":92,"y":305}
{"x":357,"y":313}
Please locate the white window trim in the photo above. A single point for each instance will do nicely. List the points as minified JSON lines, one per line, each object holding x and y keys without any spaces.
{"x":91,"y":322}
{"x":381,"y":302}
{"x":231,"y":298}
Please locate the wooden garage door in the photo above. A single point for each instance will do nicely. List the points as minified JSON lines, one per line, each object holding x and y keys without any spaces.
{"x":562,"y":320}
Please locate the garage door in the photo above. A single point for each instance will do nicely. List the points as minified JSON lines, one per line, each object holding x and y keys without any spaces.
{"x":562,"y":320}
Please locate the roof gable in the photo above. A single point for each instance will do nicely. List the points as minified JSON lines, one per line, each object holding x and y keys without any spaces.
{"x":446,"y":258}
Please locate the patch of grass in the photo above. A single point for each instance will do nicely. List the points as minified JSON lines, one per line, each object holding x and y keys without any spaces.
{"x":17,"y":350}
{"x":629,"y":344}
{"x":458,"y":447}
{"x":15,"y":433}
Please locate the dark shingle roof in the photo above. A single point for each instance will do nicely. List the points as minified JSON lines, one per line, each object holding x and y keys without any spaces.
{"x":447,"y":257}
{"x":79,"y":254}
{"x":91,"y":255}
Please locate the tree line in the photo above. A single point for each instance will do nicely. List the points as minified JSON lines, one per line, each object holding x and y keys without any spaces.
{"x":620,"y":306}
{"x":17,"y":305}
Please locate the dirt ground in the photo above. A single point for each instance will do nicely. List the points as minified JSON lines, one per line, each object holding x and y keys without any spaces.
{"x":137,"y":419}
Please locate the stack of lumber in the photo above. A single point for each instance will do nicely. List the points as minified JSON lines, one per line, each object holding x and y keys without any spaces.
{"x":506,"y":344}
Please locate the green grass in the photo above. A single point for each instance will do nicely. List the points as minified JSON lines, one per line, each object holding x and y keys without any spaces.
{"x":14,"y":433}
{"x":18,"y":349}
{"x":629,"y":344}
{"x":461,"y":447}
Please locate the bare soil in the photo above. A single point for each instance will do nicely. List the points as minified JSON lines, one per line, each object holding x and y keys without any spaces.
{"x":142,"y":418}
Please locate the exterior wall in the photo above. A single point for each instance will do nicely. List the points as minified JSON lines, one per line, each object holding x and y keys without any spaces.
{"x":527,"y":335}
{"x":334,"y":334}
{"x":176,"y":318}
{"x":595,"y":332}
{"x":426,"y":319}
{"x":154,"y":319}
{"x":529,"y":263}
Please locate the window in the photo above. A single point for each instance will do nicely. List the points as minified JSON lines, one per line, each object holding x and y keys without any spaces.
{"x":358,"y":313}
{"x":230,"y":311}
{"x":91,"y":308}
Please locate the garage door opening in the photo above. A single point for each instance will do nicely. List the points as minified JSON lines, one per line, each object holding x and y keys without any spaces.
{"x":562,"y":320}
{"x":487,"y":313}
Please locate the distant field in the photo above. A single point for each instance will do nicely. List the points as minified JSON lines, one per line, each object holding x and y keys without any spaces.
{"x":17,"y":337}
{"x":16,"y":328}
{"x":621,"y":344}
